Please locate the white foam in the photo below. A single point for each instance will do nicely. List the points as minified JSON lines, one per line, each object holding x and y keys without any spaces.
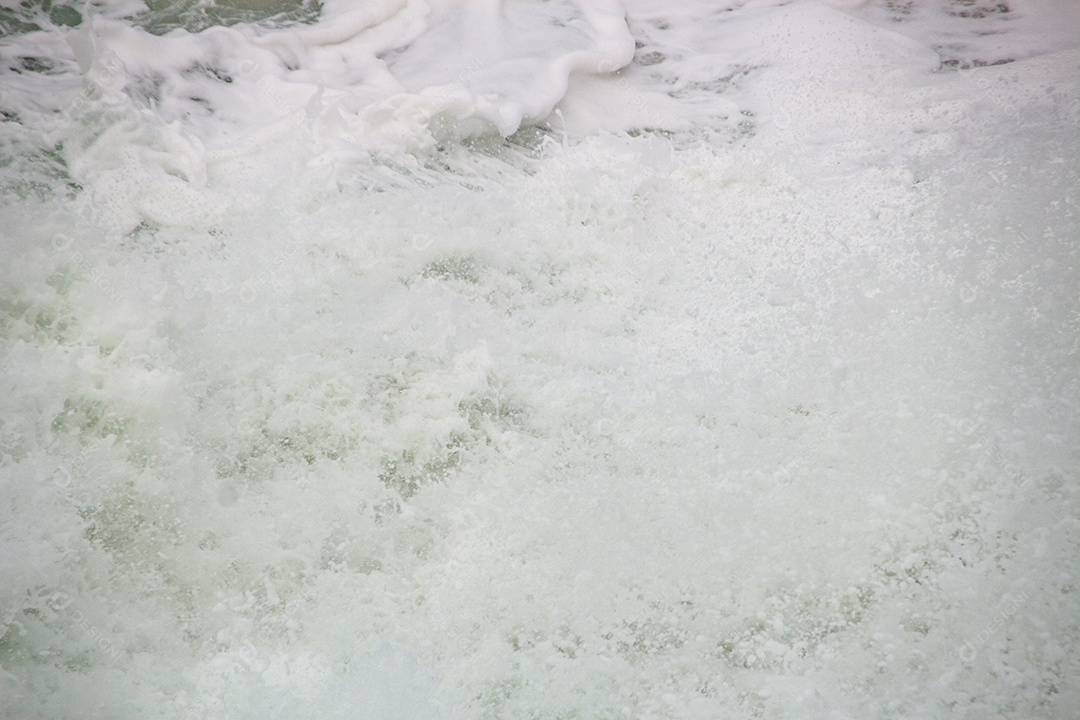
{"x":386,"y":73}
{"x":740,"y":385}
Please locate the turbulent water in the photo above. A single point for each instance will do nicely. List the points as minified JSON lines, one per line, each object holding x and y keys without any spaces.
{"x":404,"y":359}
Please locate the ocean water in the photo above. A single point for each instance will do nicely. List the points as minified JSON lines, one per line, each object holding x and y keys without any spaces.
{"x":403,"y":359}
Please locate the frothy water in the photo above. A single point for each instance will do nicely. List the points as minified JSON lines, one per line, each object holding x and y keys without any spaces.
{"x":564,"y":360}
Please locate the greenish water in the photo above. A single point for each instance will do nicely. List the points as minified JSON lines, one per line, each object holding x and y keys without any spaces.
{"x":163,"y":16}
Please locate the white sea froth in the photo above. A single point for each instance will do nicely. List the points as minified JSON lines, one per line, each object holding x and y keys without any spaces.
{"x":540,"y":360}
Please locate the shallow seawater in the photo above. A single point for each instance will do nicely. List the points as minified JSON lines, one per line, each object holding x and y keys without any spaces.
{"x":391,"y":360}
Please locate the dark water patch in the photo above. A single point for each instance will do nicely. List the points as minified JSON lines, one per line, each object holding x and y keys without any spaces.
{"x":164,"y":16}
{"x":955,"y":63}
{"x":31,"y":64}
{"x":34,"y":173}
{"x":29,"y":16}
{"x":976,"y":10}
